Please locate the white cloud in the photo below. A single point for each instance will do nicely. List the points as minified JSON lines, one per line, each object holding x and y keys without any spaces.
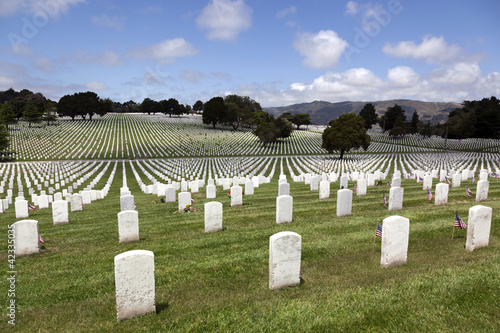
{"x":449,"y":84}
{"x":225,"y":19}
{"x":352,"y":8}
{"x":95,"y":85}
{"x":460,"y":73}
{"x":166,"y":51}
{"x":402,"y":76}
{"x":114,"y":22}
{"x":49,"y":8}
{"x":285,"y":12}
{"x":321,"y":50}
{"x":6,"y":82}
{"x":431,"y":50}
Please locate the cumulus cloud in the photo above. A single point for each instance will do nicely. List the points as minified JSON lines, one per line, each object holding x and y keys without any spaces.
{"x":166,"y":51}
{"x":225,"y":19}
{"x":285,"y":12}
{"x":95,"y":85}
{"x":50,"y":8}
{"x":351,"y":8}
{"x":115,"y":22}
{"x":448,"y":84}
{"x":321,"y":50}
{"x":402,"y":76}
{"x":432,"y":50}
{"x":460,"y":73}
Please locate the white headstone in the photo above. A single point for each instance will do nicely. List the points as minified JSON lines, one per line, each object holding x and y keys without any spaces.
{"x":344,"y":202}
{"x":86,"y":197}
{"x":211,"y":192}
{"x":361,"y":187}
{"x":26,"y":237}
{"x":135,"y":284}
{"x":60,"y":213}
{"x":126,"y":203}
{"x":482,"y":190}
{"x":184,"y":200}
{"x":284,"y":259}
{"x":478,"y":229}
{"x":456,"y":180}
{"x":395,"y":235}
{"x":283,"y":189}
{"x":213,"y":216}
{"x":170,"y":194}
{"x":314,"y":184}
{"x":128,"y":226}
{"x":324,"y":189}
{"x":249,"y":187}
{"x":427,"y":183}
{"x":441,"y":197}
{"x":284,"y":209}
{"x":396,"y":198}
{"x":344,"y":182}
{"x":43,"y":201}
{"x":236,"y":196}
{"x":21,"y":207}
{"x":76,"y":203}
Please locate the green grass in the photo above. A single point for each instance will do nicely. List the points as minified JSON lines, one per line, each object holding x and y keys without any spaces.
{"x":219,"y":281}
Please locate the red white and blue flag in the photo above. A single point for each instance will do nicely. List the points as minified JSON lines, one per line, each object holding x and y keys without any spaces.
{"x":40,"y":239}
{"x":385,"y":199}
{"x":469,"y":192}
{"x":30,"y":207}
{"x":378,"y":232}
{"x":429,"y":195}
{"x":459,"y":223}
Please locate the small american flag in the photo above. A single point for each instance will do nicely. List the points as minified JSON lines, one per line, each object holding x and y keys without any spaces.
{"x":389,"y":184}
{"x":420,"y":180}
{"x":469,"y":192}
{"x":378,"y":232}
{"x":355,"y":188}
{"x":40,"y":239}
{"x":30,"y":207}
{"x":473,"y":179}
{"x":447,"y":180}
{"x":385,"y":200}
{"x":429,"y":195}
{"x":459,"y":223}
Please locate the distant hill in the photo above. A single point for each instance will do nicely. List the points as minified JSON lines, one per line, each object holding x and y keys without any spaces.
{"x":436,"y":112}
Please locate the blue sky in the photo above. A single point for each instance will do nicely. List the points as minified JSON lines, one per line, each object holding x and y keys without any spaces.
{"x":277,"y":52}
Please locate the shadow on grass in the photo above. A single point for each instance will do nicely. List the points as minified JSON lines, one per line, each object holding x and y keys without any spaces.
{"x":161,"y":307}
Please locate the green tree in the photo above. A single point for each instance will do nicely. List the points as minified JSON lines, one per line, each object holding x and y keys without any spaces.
{"x":214,"y":111}
{"x":301,"y":119}
{"x":7,"y":115}
{"x":369,"y":115}
{"x":415,"y":120}
{"x":67,"y":106}
{"x":345,"y":133}
{"x":398,"y":128}
{"x":149,"y":106}
{"x":198,"y":106}
{"x":31,"y":114}
{"x":266,"y":132}
{"x":50,"y":112}
{"x":284,"y":127}
{"x":4,"y":139}
{"x":390,"y":116}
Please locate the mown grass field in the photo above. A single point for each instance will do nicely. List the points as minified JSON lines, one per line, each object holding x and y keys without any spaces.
{"x":218,"y":282}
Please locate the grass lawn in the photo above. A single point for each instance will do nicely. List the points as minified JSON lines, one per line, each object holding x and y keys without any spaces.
{"x":219,"y":281}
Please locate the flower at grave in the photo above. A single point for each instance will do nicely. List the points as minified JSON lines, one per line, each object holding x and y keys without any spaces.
{"x":40,"y":239}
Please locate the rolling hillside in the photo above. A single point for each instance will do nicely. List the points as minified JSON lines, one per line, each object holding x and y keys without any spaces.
{"x":434,"y":111}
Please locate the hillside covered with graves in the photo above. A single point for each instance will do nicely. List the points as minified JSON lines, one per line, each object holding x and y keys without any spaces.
{"x":172,"y":224}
